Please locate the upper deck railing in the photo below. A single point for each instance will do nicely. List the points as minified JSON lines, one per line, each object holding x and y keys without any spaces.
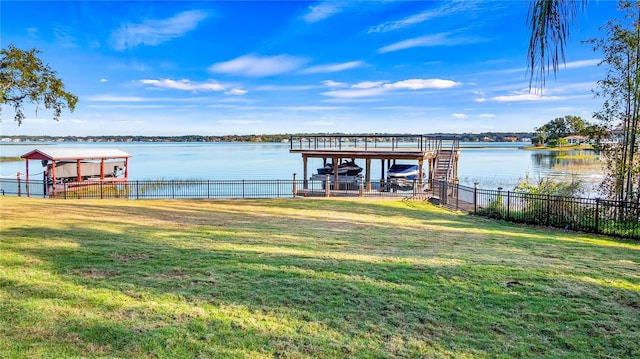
{"x":420,"y":143}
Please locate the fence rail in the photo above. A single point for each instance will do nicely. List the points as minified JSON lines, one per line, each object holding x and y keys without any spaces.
{"x":169,"y":189}
{"x":613,"y":218}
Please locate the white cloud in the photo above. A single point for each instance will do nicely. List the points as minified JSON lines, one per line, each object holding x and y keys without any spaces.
{"x":459,"y":115}
{"x":103,"y":80}
{"x":321,"y":123}
{"x":238,"y":92}
{"x":405,"y":108}
{"x":375,"y":88}
{"x":113,"y":98}
{"x":523,"y":97}
{"x":487,"y":115}
{"x":406,"y":22}
{"x":154,"y":32}
{"x":285,"y":88}
{"x":418,"y":84}
{"x":120,"y":106}
{"x":184,"y":85}
{"x":440,"y":39}
{"x":427,"y":40}
{"x":256,"y":66}
{"x":239,"y":122}
{"x":334,"y":84}
{"x":322,"y":11}
{"x":580,"y":64}
{"x":367,"y":84}
{"x":332,"y":67}
{"x":357,"y":93}
{"x":64,"y":37}
{"x":32,"y":32}
{"x":448,"y":8}
{"x":306,"y":108}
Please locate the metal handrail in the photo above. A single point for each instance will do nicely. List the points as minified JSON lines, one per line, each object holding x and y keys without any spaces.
{"x":340,"y":142}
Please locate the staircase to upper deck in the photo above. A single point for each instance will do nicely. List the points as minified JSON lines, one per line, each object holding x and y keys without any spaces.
{"x":444,"y":162}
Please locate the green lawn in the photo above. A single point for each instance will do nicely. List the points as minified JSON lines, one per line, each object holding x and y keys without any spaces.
{"x":305,"y":278}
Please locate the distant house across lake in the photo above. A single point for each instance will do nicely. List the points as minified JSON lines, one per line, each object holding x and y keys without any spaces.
{"x":575,"y":140}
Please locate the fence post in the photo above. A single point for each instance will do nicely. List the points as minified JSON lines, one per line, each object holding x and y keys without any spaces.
{"x":501,"y":206}
{"x":475,"y":197}
{"x":508,"y":205}
{"x":295,"y":186}
{"x":413,"y":187}
{"x":327,"y":184}
{"x":444,"y":192}
{"x":26,"y":185}
{"x":548,"y":210}
{"x":18,"y":183}
{"x":597,"y":215}
{"x":361,"y":189}
{"x":457,"y":191}
{"x":137,"y":189}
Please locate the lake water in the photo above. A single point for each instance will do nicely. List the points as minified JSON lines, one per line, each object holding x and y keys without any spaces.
{"x":492,"y":165}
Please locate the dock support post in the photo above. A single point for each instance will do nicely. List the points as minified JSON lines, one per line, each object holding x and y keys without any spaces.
{"x":382,"y":180}
{"x":368,"y":173}
{"x":53,"y":178}
{"x":305,"y":184}
{"x":336,"y":163}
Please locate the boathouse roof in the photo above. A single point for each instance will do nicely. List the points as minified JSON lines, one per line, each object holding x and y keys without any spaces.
{"x":71,"y":154}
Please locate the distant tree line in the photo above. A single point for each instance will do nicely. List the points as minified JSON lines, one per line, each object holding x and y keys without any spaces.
{"x":465,"y":137}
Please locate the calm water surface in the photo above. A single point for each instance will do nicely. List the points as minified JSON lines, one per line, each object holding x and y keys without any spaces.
{"x":492,"y":165}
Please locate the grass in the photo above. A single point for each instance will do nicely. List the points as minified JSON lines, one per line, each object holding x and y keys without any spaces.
{"x":578,"y":157}
{"x":10,"y":159}
{"x":560,"y":148}
{"x":305,"y":278}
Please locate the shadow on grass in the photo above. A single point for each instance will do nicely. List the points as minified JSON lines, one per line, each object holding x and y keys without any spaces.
{"x":266,"y":286}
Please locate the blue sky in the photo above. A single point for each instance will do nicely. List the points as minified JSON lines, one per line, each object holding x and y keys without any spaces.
{"x":238,"y":67}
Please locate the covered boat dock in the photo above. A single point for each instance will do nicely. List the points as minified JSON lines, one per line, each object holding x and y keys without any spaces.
{"x":75,"y":166}
{"x":436,"y":156}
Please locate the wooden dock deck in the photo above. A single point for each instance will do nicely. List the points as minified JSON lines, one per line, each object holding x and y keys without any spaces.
{"x":437,"y":153}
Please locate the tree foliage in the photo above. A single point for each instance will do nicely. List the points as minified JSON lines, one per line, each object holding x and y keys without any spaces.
{"x":25,"y":78}
{"x":554,"y":130}
{"x":620,"y":113}
{"x":546,"y":186}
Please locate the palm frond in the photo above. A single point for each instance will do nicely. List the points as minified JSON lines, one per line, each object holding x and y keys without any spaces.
{"x":549,"y":21}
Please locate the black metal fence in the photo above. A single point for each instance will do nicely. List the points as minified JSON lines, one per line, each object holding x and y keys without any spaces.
{"x":613,"y":218}
{"x":151,"y":189}
{"x":169,"y":189}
